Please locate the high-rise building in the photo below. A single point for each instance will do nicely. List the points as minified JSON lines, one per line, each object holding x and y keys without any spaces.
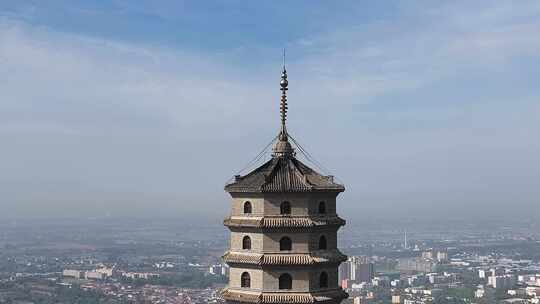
{"x":502,"y":281}
{"x":416,"y":264}
{"x":442,"y":256}
{"x":344,"y":271}
{"x":353,"y":262}
{"x":283,"y":223}
{"x":365,"y":272}
{"x":482,"y":273}
{"x":405,"y":245}
{"x":428,"y":254}
{"x":357,"y":269}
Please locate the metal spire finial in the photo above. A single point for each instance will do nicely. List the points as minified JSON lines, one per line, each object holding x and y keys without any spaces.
{"x":283,"y":147}
{"x":283,"y":58}
{"x":284,"y":83}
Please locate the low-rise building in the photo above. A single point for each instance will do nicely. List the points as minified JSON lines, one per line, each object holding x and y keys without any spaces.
{"x":140,"y":275}
{"x":72,"y":273}
{"x":502,"y":281}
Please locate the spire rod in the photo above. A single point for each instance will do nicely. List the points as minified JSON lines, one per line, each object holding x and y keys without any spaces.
{"x":283,"y":147}
{"x":283,"y":105}
{"x":283,"y":58}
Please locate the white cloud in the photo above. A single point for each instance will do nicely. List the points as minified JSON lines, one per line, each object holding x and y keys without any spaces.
{"x":386,"y":105}
{"x":79,"y":81}
{"x":416,"y":50}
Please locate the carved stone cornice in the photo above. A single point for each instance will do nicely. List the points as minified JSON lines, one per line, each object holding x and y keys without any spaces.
{"x":283,"y":222}
{"x":248,"y":296}
{"x":263,"y":259}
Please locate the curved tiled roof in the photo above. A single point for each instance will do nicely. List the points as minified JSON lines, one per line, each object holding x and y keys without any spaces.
{"x":329,"y":296}
{"x":272,"y":222}
{"x":241,"y":296}
{"x":283,"y":174}
{"x":318,"y":257}
{"x":277,"y":298}
{"x":242,"y":258}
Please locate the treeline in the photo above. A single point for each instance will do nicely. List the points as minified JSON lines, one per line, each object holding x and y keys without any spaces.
{"x":195,"y":279}
{"x":62,"y":295}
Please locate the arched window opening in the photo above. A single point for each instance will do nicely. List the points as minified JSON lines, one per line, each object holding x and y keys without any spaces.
{"x":323,"y":280}
{"x":246,"y":242}
{"x":322,"y":207}
{"x":285,"y":208}
{"x":285,"y":243}
{"x":247,"y":207}
{"x":322,"y":243}
{"x":285,"y":281}
{"x":245,"y":280}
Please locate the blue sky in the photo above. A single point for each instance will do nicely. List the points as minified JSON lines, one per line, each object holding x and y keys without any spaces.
{"x":148,"y":107}
{"x":210,"y":27}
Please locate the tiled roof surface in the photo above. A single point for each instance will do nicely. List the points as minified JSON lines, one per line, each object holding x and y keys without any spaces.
{"x":283,"y":174}
{"x":329,"y":296}
{"x":276,"y":222}
{"x":332,"y":256}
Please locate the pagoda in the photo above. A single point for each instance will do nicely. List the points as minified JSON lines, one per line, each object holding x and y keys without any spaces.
{"x":283,"y":223}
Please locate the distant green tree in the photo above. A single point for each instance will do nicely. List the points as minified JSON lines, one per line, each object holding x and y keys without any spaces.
{"x":461,"y":293}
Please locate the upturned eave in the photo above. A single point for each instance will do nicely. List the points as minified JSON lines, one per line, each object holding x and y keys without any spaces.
{"x":283,"y":259}
{"x":279,"y":297}
{"x":284,"y":222}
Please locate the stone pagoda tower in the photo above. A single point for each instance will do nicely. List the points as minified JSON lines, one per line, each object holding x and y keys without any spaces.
{"x":283,"y":224}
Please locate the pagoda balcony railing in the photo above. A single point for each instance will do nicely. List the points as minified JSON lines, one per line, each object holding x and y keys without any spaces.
{"x":263,"y":259}
{"x":279,"y":221}
{"x":284,"y":296}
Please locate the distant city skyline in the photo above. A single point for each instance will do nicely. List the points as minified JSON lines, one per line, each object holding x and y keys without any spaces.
{"x":145,"y":109}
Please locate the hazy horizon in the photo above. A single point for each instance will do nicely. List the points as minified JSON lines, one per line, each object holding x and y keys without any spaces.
{"x":146,"y":109}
